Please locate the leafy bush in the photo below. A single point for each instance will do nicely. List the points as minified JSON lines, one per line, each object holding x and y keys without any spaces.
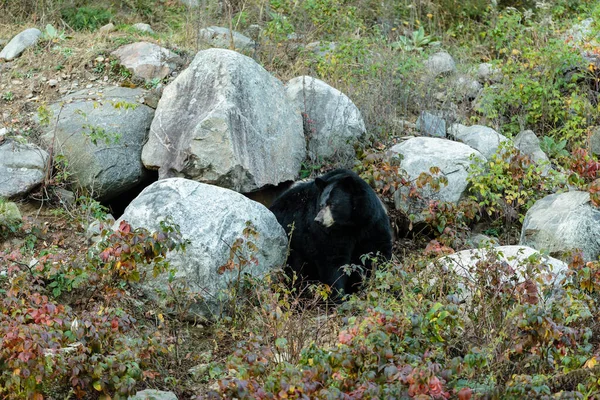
{"x":86,"y":18}
{"x":509,"y":183}
{"x":410,"y":336}
{"x":540,"y":89}
{"x":46,"y":345}
{"x":10,"y":218}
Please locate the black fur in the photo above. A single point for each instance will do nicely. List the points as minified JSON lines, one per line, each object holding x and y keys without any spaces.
{"x":361,"y":226}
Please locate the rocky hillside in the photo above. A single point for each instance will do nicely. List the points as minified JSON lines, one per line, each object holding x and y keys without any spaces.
{"x":142,"y":142}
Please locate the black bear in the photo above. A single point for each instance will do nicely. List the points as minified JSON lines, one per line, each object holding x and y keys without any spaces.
{"x":337,"y":218}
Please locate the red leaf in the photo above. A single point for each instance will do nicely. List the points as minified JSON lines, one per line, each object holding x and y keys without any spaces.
{"x":124,"y":227}
{"x":465,"y":394}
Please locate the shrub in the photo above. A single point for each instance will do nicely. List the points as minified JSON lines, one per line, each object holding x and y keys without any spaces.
{"x":508,"y":184}
{"x":410,"y":336}
{"x":86,"y":18}
{"x":541,"y":73}
{"x":48,"y":346}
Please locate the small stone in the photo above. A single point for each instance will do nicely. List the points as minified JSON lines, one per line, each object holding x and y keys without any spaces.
{"x":321,"y":49}
{"x":431,"y":125}
{"x":52,"y":82}
{"x":191,"y":3}
{"x":595,"y":141}
{"x":9,"y":213}
{"x":19,"y":43}
{"x":89,"y":86}
{"x":143,"y":27}
{"x":152,"y":394}
{"x":440,"y":63}
{"x":99,"y":59}
{"x":487,"y":72}
{"x":65,"y":196}
{"x":403,"y":124}
{"x":107,"y":28}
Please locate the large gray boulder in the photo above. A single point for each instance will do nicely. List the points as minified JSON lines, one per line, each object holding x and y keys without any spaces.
{"x":481,"y":138}
{"x":333,"y":122}
{"x":212,"y":218}
{"x":563,"y":222}
{"x":226,"y":121}
{"x":515,"y":264}
{"x":101,"y":134}
{"x":22,"y":168}
{"x":19,"y":43}
{"x":220,"y":37}
{"x":147,"y":60}
{"x":419,"y":155}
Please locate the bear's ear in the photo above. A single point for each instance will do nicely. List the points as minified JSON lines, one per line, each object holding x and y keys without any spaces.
{"x":321,"y":184}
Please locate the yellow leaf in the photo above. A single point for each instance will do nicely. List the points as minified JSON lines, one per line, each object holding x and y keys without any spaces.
{"x":98,"y":386}
{"x":591,"y":363}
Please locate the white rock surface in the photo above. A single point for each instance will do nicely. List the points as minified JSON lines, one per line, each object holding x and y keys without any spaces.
{"x":147,"y":60}
{"x":19,"y":43}
{"x":22,"y":167}
{"x":515,"y":262}
{"x":117,"y":123}
{"x":143,"y":27}
{"x":333,"y":122}
{"x":226,"y":121}
{"x":440,"y":63}
{"x":422,"y":153}
{"x":563,"y":222}
{"x":212,"y":218}
{"x":221,"y":37}
{"x":481,"y":138}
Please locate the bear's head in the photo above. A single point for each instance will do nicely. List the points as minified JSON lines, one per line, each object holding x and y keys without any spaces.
{"x":337,"y":201}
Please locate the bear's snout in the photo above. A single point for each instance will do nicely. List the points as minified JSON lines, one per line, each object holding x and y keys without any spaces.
{"x":325,"y":218}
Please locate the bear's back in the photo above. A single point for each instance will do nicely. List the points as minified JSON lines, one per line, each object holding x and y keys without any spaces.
{"x":296,"y":204}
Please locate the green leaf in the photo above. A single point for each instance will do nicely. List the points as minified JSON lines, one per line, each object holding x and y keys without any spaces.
{"x":50,"y":30}
{"x":281,"y":343}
